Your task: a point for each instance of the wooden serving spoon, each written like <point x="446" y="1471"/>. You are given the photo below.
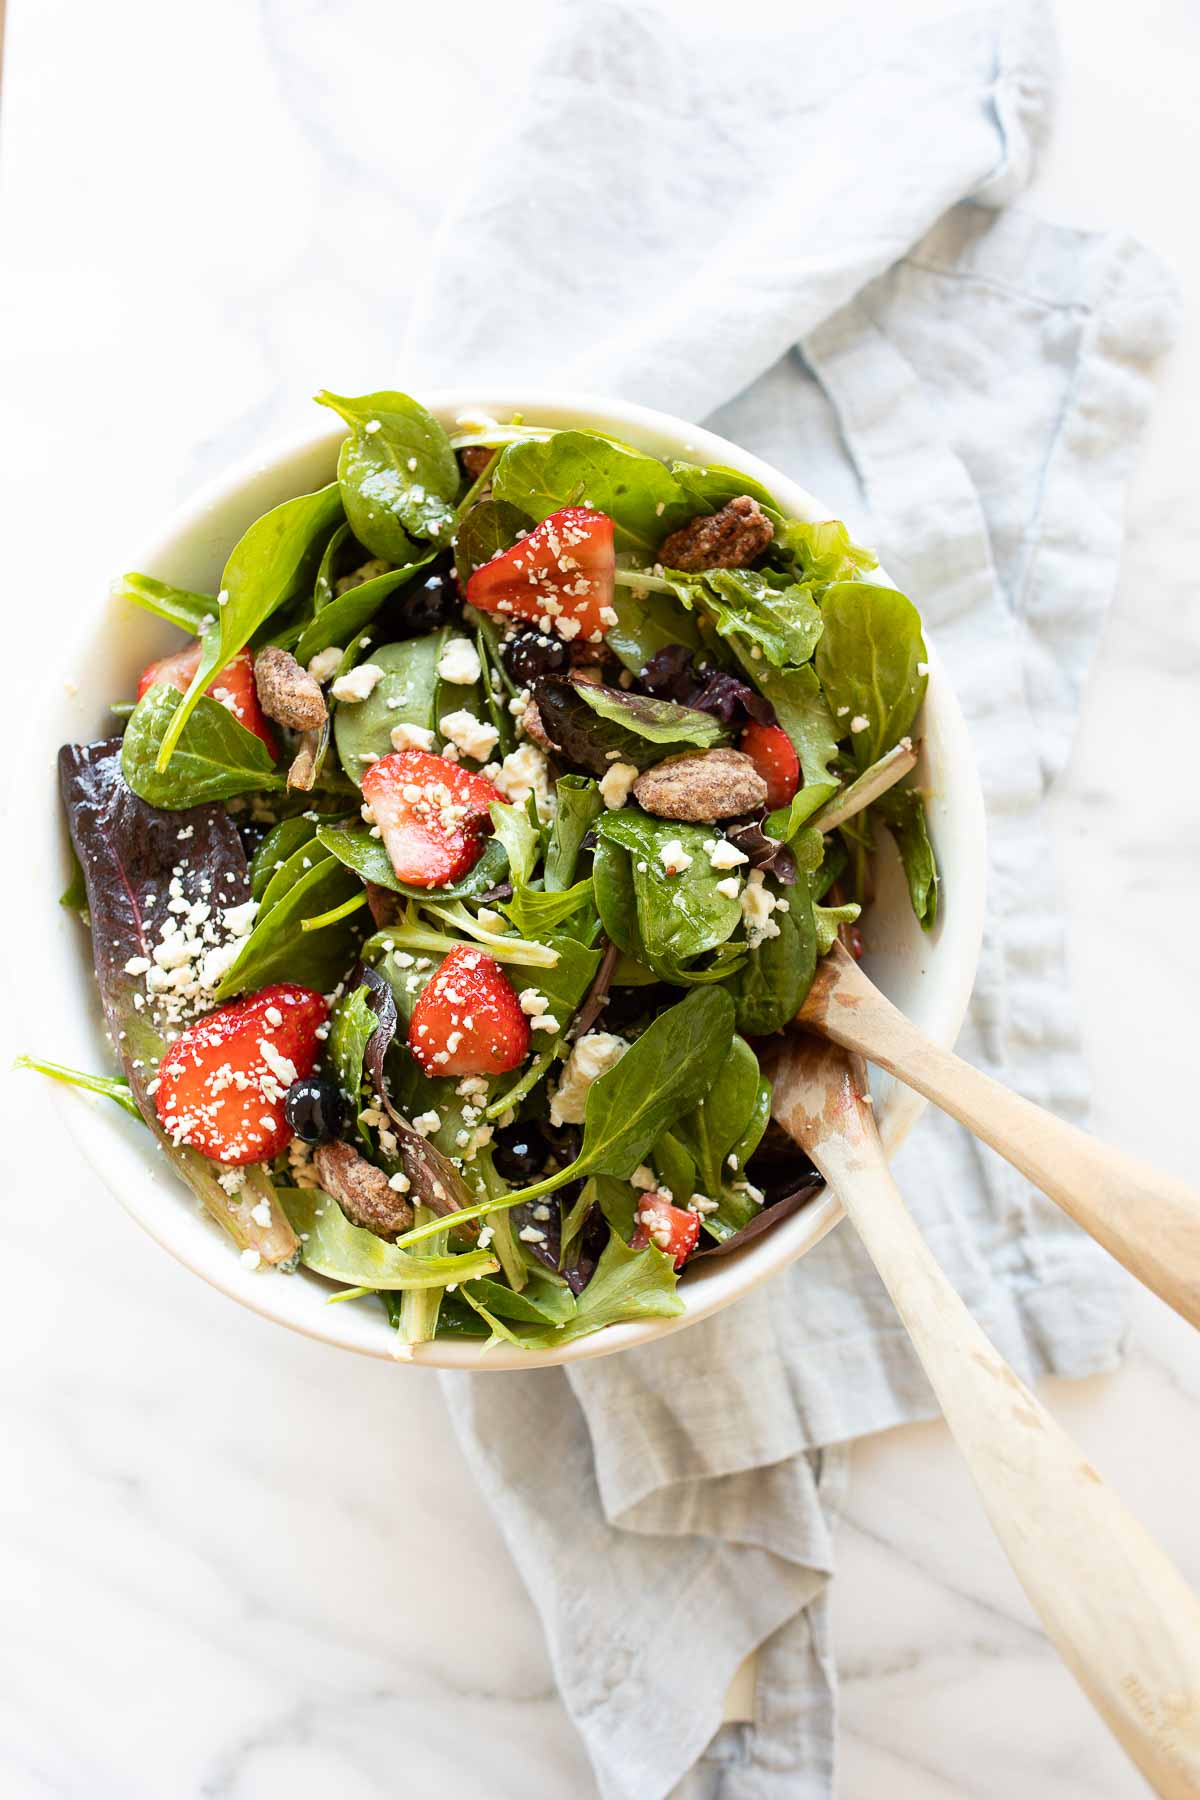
<point x="1147" y="1220"/>
<point x="1120" y="1615"/>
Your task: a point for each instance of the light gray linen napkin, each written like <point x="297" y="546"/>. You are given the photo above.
<point x="802" y="236"/>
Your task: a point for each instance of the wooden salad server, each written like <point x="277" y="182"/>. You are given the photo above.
<point x="1147" y="1220"/>
<point x="1120" y="1615"/>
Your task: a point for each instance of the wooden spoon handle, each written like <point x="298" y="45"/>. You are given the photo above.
<point x="1115" y="1607"/>
<point x="1147" y="1220"/>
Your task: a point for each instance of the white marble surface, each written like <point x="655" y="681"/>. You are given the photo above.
<point x="235" y="1563"/>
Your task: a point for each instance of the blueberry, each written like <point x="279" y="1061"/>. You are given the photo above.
<point x="532" y="654"/>
<point x="519" y="1152"/>
<point x="431" y="601"/>
<point x="314" y="1108"/>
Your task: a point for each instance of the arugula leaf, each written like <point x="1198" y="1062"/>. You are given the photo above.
<point x="272" y="562"/>
<point x="579" y="805"/>
<point x="903" y="813"/>
<point x="593" y="729"/>
<point x="803" y="712"/>
<point x="113" y="1087"/>
<point x="488" y="528"/>
<point x="870" y="660"/>
<point x="398" y="474"/>
<point x="191" y="612"/>
<point x="330" y="1245"/>
<point x="367" y="856"/>
<point x="534" y="913"/>
<point x="722" y="1117"/>
<point x="824" y="550"/>
<point x="405" y="694"/>
<point x="679" y="917"/>
<point x="215" y="758"/>
<point x="577" y="468"/>
<point x="521" y="839"/>
<point x="278" y="950"/>
<point x="778" y="619"/>
<point x="345" y="615"/>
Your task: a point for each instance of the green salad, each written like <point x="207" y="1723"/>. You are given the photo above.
<point x="446" y="879"/>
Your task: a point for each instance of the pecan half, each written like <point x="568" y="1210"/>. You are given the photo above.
<point x="699" y="789"/>
<point x="475" y="459"/>
<point x="363" y="1192"/>
<point x="728" y="539"/>
<point x="286" y="692"/>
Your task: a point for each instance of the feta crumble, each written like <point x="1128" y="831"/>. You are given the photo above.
<point x="616" y="783"/>
<point x="358" y="685"/>
<point x="459" y="663"/>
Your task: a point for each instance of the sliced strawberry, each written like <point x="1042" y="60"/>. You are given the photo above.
<point x="561" y="575"/>
<point x="770" y="750"/>
<point x="234" y="686"/>
<point x="221" y="1084"/>
<point x="674" y="1230"/>
<point x="430" y="814"/>
<point x="469" y="1020"/>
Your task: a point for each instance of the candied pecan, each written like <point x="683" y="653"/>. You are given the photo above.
<point x="475" y="459"/>
<point x="714" y="784"/>
<point x="531" y="725"/>
<point x="363" y="1192"/>
<point x="286" y="692"/>
<point x="728" y="539"/>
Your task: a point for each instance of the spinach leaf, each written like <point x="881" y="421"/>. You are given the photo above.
<point x="215" y="758"/>
<point x="678" y="917"/>
<point x="770" y="986"/>
<point x="593" y="729"/>
<point x="398" y="474"/>
<point x="191" y="612"/>
<point x="276" y="850"/>
<point x="521" y="839"/>
<point x="74" y="895"/>
<point x="405" y="694"/>
<point x="345" y="615"/>
<point x="756" y="1125"/>
<point x="333" y="558"/>
<point x="710" y="488"/>
<point x="367" y="856"/>
<point x="272" y="562"/>
<point x="278" y="950"/>
<point x="802" y="710"/>
<point x="488" y="528"/>
<point x="292" y="869"/>
<point x="579" y="804"/>
<point x="778" y="619"/>
<point x="113" y="1087"/>
<point x="542" y="1301"/>
<point x="350" y="1026"/>
<point x="719" y="1121"/>
<point x="627" y="1285"/>
<point x="534" y="913"/>
<point x="824" y="551"/>
<point x="330" y="1245"/>
<point x="675" y="1167"/>
<point x="568" y="981"/>
<point x="577" y="468"/>
<point x="647" y="622"/>
<point x="786" y="821"/>
<point x="616" y="899"/>
<point x="904" y="815"/>
<point x="870" y="661"/>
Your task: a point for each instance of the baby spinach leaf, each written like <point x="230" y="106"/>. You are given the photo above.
<point x="191" y="612"/>
<point x="367" y="857"/>
<point x="332" y="560"/>
<point x="902" y="812"/>
<point x="802" y="710"/>
<point x="710" y="1132"/>
<point x="756" y="1125"/>
<point x="488" y="528"/>
<point x="405" y="694"/>
<point x="593" y="729"/>
<point x="647" y="622"/>
<point x="521" y="839"/>
<point x="679" y="917"/>
<point x="277" y="848"/>
<point x="351" y="1024"/>
<point x="713" y="487"/>
<point x="761" y="610"/>
<point x="824" y="551"/>
<point x="398" y="474"/>
<point x="331" y="1246"/>
<point x="870" y="661"/>
<point x="627" y="1285"/>
<point x="215" y="756"/>
<point x="579" y="804"/>
<point x="577" y="468"/>
<point x="568" y="981"/>
<point x="534" y="913"/>
<point x="616" y="898"/>
<point x="675" y="1167"/>
<point x="272" y="562"/>
<point x="278" y="950"/>
<point x="786" y="821"/>
<point x="113" y="1087"/>
<point x="345" y="615"/>
<point x="770" y="986"/>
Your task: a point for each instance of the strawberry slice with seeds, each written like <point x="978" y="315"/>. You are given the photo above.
<point x="770" y="750"/>
<point x="675" y="1231"/>
<point x="431" y="815"/>
<point x="561" y="575"/>
<point x="469" y="1019"/>
<point x="221" y="1084"/>
<point x="233" y="687"/>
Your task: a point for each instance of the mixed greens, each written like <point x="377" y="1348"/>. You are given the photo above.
<point x="443" y="885"/>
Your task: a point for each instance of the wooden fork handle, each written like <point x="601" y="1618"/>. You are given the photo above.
<point x="1147" y="1220"/>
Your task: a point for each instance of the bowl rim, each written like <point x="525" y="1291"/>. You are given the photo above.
<point x="114" y="1154"/>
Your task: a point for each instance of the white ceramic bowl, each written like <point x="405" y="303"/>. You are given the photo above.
<point x="928" y="976"/>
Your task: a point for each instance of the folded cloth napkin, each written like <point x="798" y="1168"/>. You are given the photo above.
<point x="801" y="236"/>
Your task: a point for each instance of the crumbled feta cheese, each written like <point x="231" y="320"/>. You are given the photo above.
<point x="399" y="1182"/>
<point x="674" y="857"/>
<point x="470" y="734"/>
<point x="427" y="1122"/>
<point x="700" y="1203"/>
<point x="358" y="685"/>
<point x="261" y="1214"/>
<point x="529" y="1234"/>
<point x="491" y="921"/>
<point x="251" y="1259"/>
<point x="616" y="783"/>
<point x="459" y="662"/>
<point x="525" y="771"/>
<point x="594" y="1055"/>
<point x="758" y="903"/>
<point x="860" y="722"/>
<point x="412" y="737"/>
<point x="724" y="855"/>
<point x="731" y="887"/>
<point x="325" y="662"/>
<point x="644" y="1178"/>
